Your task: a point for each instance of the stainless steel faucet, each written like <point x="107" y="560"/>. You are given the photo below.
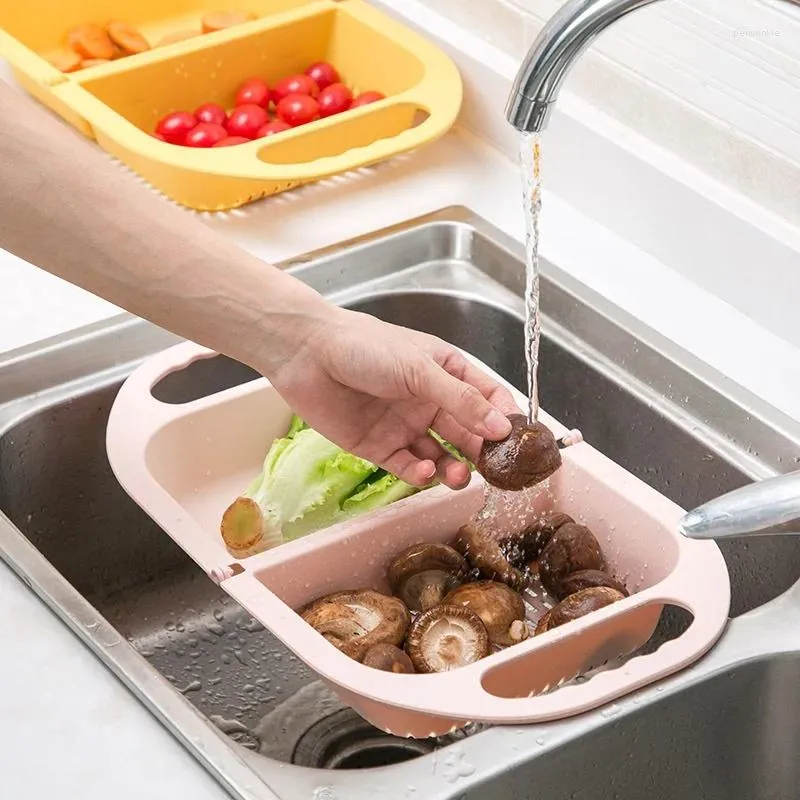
<point x="770" y="506"/>
<point x="568" y="33"/>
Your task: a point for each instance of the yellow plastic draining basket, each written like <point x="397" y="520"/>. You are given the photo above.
<point x="120" y="102"/>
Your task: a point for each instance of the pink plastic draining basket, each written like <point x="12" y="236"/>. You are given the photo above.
<point x="183" y="464"/>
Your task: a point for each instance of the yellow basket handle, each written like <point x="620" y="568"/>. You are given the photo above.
<point x="359" y="156"/>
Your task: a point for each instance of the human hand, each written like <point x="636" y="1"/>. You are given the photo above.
<point x="376" y="390"/>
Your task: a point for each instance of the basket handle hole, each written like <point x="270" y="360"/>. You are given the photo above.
<point x="377" y="123"/>
<point x="633" y="632"/>
<point x="202" y="378"/>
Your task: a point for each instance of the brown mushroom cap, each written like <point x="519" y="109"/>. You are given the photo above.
<point x="572" y="548"/>
<point x="525" y="546"/>
<point x="578" y="605"/>
<point x="388" y="658"/>
<point x="355" y="621"/>
<point x="527" y="456"/>
<point x="485" y="554"/>
<point x="500" y="608"/>
<point x="445" y="638"/>
<point x="424" y="573"/>
<point x="587" y="579"/>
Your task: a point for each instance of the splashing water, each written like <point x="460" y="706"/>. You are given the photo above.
<point x="530" y="156"/>
<point x="487" y="512"/>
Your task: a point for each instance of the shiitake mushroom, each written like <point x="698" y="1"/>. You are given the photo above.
<point x="354" y="621"/>
<point x="460" y="620"/>
<point x="424" y="573"/>
<point x="587" y="579"/>
<point x="527" y="456"/>
<point x="446" y="637"/>
<point x="578" y="605"/>
<point x="500" y="608"/>
<point x="485" y="554"/>
<point x="388" y="658"/>
<point x="526" y="546"/>
<point x="572" y="548"/>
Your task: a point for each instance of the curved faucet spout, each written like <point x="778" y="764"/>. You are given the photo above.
<point x="771" y="506"/>
<point x="568" y="34"/>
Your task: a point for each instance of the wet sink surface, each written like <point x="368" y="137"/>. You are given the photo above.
<point x="460" y="281"/>
<point x="731" y="737"/>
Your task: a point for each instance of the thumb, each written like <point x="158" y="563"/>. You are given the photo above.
<point x="461" y="399"/>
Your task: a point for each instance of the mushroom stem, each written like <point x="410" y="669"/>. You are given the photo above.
<point x="431" y="595"/>
<point x="518" y="631"/>
<point x="388" y="658"/>
<point x="501" y="609"/>
<point x="424" y="573"/>
<point x="485" y="554"/>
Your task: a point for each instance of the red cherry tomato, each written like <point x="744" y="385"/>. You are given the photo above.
<point x="205" y="134"/>
<point x="334" y="99"/>
<point x="298" y="109"/>
<point x="246" y="120"/>
<point x="294" y="84"/>
<point x="253" y="92"/>
<point x="229" y="141"/>
<point x="175" y="126"/>
<point x="211" y="112"/>
<point x="271" y="128"/>
<point x="323" y="74"/>
<point x="365" y="98"/>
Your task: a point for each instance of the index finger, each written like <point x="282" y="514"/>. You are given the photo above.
<point x="497" y="394"/>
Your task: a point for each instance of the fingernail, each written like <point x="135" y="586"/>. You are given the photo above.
<point x="465" y="482"/>
<point x="430" y="471"/>
<point x="497" y="424"/>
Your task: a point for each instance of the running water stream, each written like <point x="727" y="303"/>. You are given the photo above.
<point x="530" y="155"/>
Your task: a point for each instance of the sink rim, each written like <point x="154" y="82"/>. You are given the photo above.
<point x="661" y="368"/>
<point x="135" y="339"/>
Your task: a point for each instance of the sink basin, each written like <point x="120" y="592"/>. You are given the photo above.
<point x="732" y="735"/>
<point x="80" y="542"/>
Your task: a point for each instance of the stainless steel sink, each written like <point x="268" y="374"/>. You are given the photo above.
<point x="253" y="714"/>
<point x="732" y="736"/>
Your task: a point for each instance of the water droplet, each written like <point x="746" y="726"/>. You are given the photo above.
<point x="456" y="766"/>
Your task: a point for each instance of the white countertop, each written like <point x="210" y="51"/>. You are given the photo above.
<point x="71" y="730"/>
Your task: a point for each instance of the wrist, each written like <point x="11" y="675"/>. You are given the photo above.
<point x="292" y="316"/>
